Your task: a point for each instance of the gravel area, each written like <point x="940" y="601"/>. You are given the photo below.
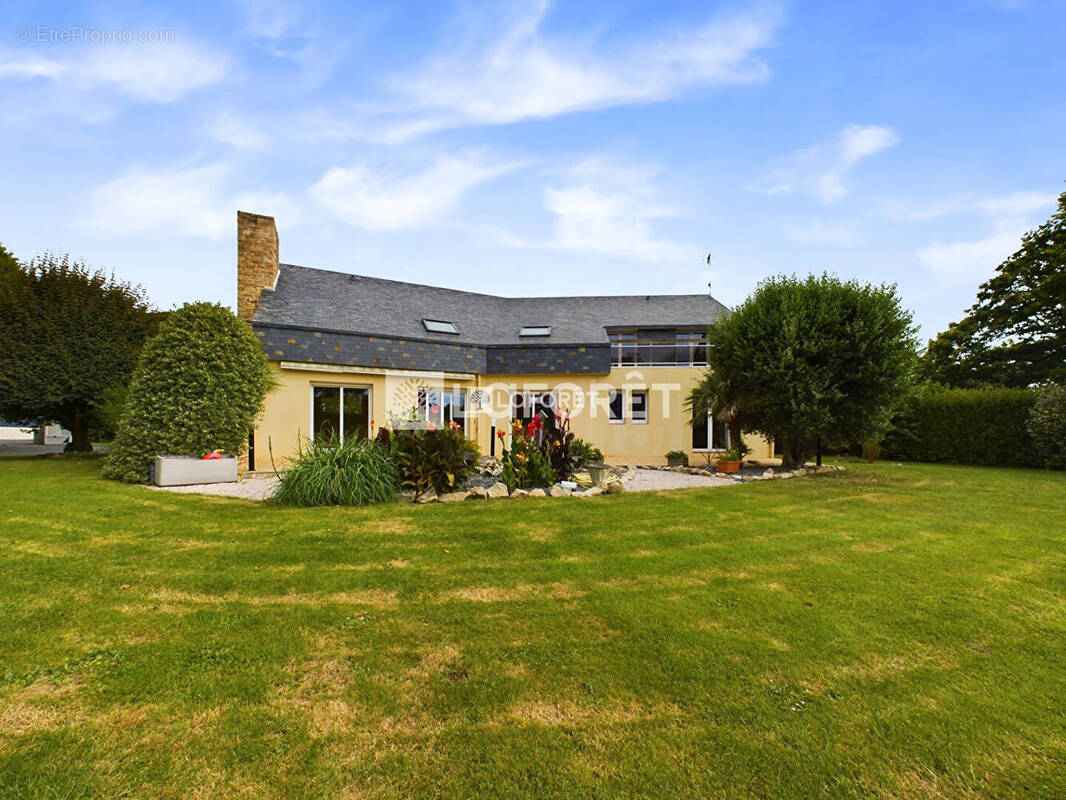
<point x="653" y="480"/>
<point x="248" y="488"/>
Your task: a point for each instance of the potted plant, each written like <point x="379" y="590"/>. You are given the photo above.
<point x="731" y="460"/>
<point x="677" y="458"/>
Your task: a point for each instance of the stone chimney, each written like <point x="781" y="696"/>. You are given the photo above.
<point x="257" y="260"/>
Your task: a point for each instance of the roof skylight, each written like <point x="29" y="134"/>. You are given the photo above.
<point x="536" y="330"/>
<point x="439" y="326"/>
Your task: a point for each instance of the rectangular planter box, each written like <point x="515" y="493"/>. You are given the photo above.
<point x="188" y="470"/>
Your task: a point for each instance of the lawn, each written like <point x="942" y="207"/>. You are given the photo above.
<point x="893" y="631"/>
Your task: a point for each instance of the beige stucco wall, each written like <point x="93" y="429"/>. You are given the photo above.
<point x="627" y="442"/>
<point x="287" y="416"/>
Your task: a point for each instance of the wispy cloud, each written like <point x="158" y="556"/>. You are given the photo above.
<point x="303" y="35"/>
<point x="396" y="197"/>
<point x="819" y="232"/>
<point x="159" y="72"/>
<point x="512" y="70"/>
<point x="970" y="261"/>
<point x="1015" y="204"/>
<point x="609" y="207"/>
<point x="1009" y="215"/>
<point x="193" y="202"/>
<point x="821" y="171"/>
<point x="237" y="131"/>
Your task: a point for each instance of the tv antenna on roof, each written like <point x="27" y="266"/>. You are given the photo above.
<point x="708" y="274"/>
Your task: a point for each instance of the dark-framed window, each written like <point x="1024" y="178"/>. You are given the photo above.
<point x="341" y="412"/>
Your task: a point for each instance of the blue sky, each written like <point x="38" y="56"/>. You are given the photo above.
<point x="536" y="148"/>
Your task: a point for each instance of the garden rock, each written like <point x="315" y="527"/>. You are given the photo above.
<point x="477" y="493"/>
<point x="558" y="491"/>
<point x="519" y="494"/>
<point x="454" y="497"/>
<point x="498" y="490"/>
<point x="769" y="473"/>
<point x="595" y="490"/>
<point x="538" y="493"/>
<point x="428" y="497"/>
<point x="615" y="487"/>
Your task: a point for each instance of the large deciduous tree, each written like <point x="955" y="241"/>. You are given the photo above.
<point x="69" y="335"/>
<point x="814" y="359"/>
<point x="1015" y="335"/>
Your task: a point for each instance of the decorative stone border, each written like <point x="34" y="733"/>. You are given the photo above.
<point x="768" y="474"/>
<point x="499" y="491"/>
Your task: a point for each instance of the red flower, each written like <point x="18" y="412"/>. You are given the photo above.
<point x="501" y="434"/>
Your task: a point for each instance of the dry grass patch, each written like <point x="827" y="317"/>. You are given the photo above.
<point x="525" y="591"/>
<point x="43" y="705"/>
<point x="567" y="714"/>
<point x="376" y="598"/>
<point x="873" y="547"/>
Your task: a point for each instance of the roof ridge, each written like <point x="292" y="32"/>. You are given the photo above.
<point x="504" y="297"/>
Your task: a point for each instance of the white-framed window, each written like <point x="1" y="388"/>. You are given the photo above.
<point x="340" y="412"/>
<point x="638" y="406"/>
<point x="615" y="406"/>
<point x="709" y="434"/>
<point x="441" y="407"/>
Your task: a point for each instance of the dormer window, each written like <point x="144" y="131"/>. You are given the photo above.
<point x="536" y="330"/>
<point x="439" y="326"/>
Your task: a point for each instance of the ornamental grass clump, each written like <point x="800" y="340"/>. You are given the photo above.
<point x="326" y="472"/>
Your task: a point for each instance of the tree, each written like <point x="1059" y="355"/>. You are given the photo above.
<point x="1015" y="335"/>
<point x="811" y="359"/>
<point x="69" y="335"/>
<point x="199" y="386"/>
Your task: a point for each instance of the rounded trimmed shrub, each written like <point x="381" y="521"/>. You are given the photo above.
<point x="1047" y="425"/>
<point x="199" y="386"/>
<point x="328" y="473"/>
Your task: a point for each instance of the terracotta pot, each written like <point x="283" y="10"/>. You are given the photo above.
<point x="728" y="466"/>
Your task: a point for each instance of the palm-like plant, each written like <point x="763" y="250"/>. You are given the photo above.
<point x="714" y="396"/>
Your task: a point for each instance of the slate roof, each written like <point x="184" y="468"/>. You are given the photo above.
<point x="318" y="299"/>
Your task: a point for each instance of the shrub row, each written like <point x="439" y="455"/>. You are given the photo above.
<point x="965" y="426"/>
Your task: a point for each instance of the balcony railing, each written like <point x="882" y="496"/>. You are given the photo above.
<point x="659" y="354"/>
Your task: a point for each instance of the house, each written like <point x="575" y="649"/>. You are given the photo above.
<point x="352" y="354"/>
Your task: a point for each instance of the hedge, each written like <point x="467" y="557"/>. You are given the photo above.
<point x="964" y="426"/>
<point x="1047" y="425"/>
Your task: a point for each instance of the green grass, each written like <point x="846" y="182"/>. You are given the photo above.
<point x="892" y="631"/>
